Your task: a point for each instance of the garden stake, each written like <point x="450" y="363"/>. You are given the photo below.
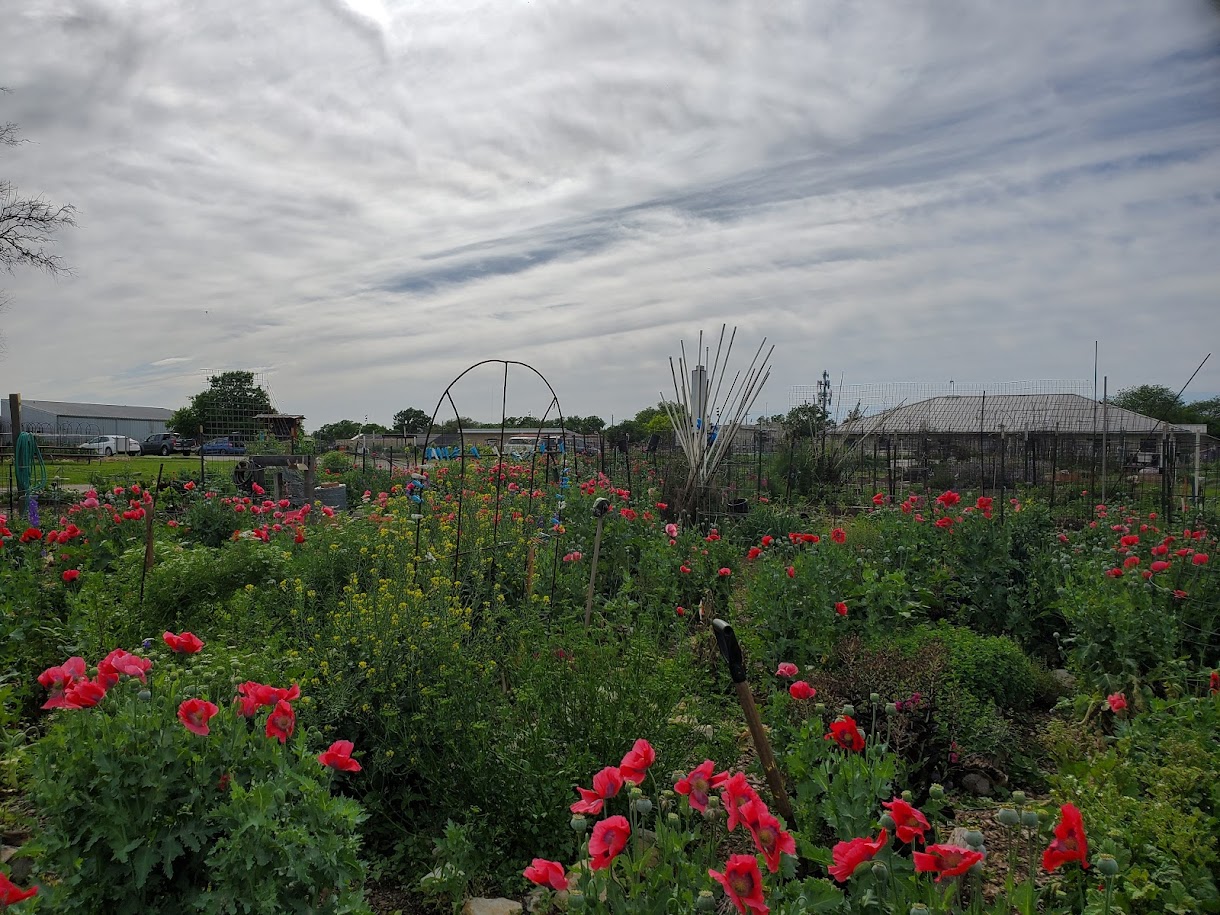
<point x="600" y="507"/>
<point x="726" y="639"/>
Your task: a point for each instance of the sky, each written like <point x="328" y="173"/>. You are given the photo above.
<point x="359" y="199"/>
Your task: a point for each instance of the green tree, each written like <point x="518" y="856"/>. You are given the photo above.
<point x="229" y="405"/>
<point x="1153" y="400"/>
<point x="1207" y="411"/>
<point x="411" y="421"/>
<point x="584" y="425"/>
<point x="340" y="431"/>
<point x="805" y="421"/>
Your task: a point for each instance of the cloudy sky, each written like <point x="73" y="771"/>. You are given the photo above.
<point x="360" y="198"/>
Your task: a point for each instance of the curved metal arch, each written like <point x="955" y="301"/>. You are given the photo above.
<point x="447" y="395"/>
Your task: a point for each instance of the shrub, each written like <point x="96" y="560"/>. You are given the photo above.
<point x="140" y="814"/>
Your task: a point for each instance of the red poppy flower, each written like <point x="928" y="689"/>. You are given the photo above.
<point x="838" y="535"/>
<point x="983" y="503"/>
<point x="186" y="643"/>
<point x="725" y="573"/>
<point x="945" y="860"/>
<point x="57" y="680"/>
<point x="948" y="499"/>
<point x="1214" y="682"/>
<point x="742" y="882"/>
<point x="339" y="756"/>
<point x="684" y="569"/>
<point x="1117" y="701"/>
<point x="754" y="553"/>
<point x="31" y="534"/>
<point x="700" y="783"/>
<point x="84" y="694"/>
<point x="767" y="540"/>
<point x="608" y="839"/>
<point x="606" y="784"/>
<point x="844" y="732"/>
<point x="1131" y="562"/>
<point x="1070" y="843"/>
<point x="253" y="696"/>
<point x="801" y="690"/>
<point x="770" y="838"/>
<point x="547" y="873"/>
<point x="944" y="522"/>
<point x="909" y="823"/>
<point x="195" y="714"/>
<point x="637" y="761"/>
<point x="11" y="894"/>
<point x="120" y="662"/>
<point x="1114" y="573"/>
<point x="1199" y="559"/>
<point x="841" y="608"/>
<point x="848" y="856"/>
<point x="879" y="498"/>
<point x="1159" y="566"/>
<point x="70" y="575"/>
<point x="791" y="570"/>
<point x="735" y="792"/>
<point x="787" y="669"/>
<point x="281" y="721"/>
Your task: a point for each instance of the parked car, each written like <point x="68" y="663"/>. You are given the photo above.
<point x="167" y="443"/>
<point x="107" y="445"/>
<point x="223" y="445"/>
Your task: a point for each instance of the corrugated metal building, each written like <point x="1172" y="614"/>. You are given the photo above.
<point x="59" y="418"/>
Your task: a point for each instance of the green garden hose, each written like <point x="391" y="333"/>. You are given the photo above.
<point x="27" y="463"/>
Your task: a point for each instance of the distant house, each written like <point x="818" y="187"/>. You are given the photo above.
<point x="85" y="420"/>
<point x="283" y="426"/>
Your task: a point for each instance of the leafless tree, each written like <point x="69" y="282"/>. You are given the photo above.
<point x="28" y="224"/>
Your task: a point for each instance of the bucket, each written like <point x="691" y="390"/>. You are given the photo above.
<point x="332" y="495"/>
<point x="738" y="506"/>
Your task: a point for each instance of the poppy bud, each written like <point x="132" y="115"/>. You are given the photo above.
<point x="874" y="698"/>
<point x="1107" y="865"/>
<point x="974" y="838"/>
<point x="936" y="792"/>
<point x="636" y="793"/>
<point x="908" y="797"/>
<point x="576" y="901"/>
<point x="1029" y="819"/>
<point x="1008" y="817"/>
<point x="880" y="870"/>
<point x="706" y="901"/>
<point x="643" y="806"/>
<point x="144" y="695"/>
<point x="919" y="909"/>
<point x="579" y="824"/>
<point x="1018" y="797"/>
<point x="887" y="821"/>
<point x="673" y="819"/>
<point x="820" y="709"/>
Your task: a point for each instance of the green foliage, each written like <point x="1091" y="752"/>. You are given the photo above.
<point x="339" y="431"/>
<point x="1150" y="797"/>
<point x="139" y="814"/>
<point x="410" y="421"/>
<point x="337" y="462"/>
<point x="229" y="405"/>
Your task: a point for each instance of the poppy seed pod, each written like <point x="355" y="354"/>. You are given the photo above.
<point x="144" y="695"/>
<point x="974" y="838"/>
<point x="1029" y="819"/>
<point x="579" y="824"/>
<point x="820" y="709"/>
<point x="1107" y="865"/>
<point x="673" y="819"/>
<point x="887" y="821"/>
<point x="908" y="797"/>
<point x="848" y="711"/>
<point x="936" y="792"/>
<point x="874" y="698"/>
<point x="1018" y="797"/>
<point x="706" y="901"/>
<point x="880" y="870"/>
<point x="643" y="806"/>
<point x="919" y="909"/>
<point x="576" y="901"/>
<point x="1008" y="817"/>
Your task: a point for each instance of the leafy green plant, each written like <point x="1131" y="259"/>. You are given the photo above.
<point x="149" y="801"/>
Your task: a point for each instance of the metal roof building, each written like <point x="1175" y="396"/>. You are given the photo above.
<point x="60" y="418"/>
<point x="1016" y="414"/>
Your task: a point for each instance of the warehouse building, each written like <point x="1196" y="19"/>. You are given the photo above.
<point x="79" y="421"/>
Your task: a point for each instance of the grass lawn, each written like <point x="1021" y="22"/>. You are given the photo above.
<point x="118" y="470"/>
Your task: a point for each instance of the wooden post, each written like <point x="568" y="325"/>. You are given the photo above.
<point x="726" y="640"/>
<point x="597" y="546"/>
<point x="14" y="416"/>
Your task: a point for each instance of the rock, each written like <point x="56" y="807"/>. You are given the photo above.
<point x="1065" y="680"/>
<point x="491" y="907"/>
<point x="976" y="784"/>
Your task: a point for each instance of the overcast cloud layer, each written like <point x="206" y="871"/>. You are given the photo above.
<point x="360" y="198"/>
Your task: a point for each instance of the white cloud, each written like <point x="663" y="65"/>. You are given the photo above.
<point x="367" y="196"/>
